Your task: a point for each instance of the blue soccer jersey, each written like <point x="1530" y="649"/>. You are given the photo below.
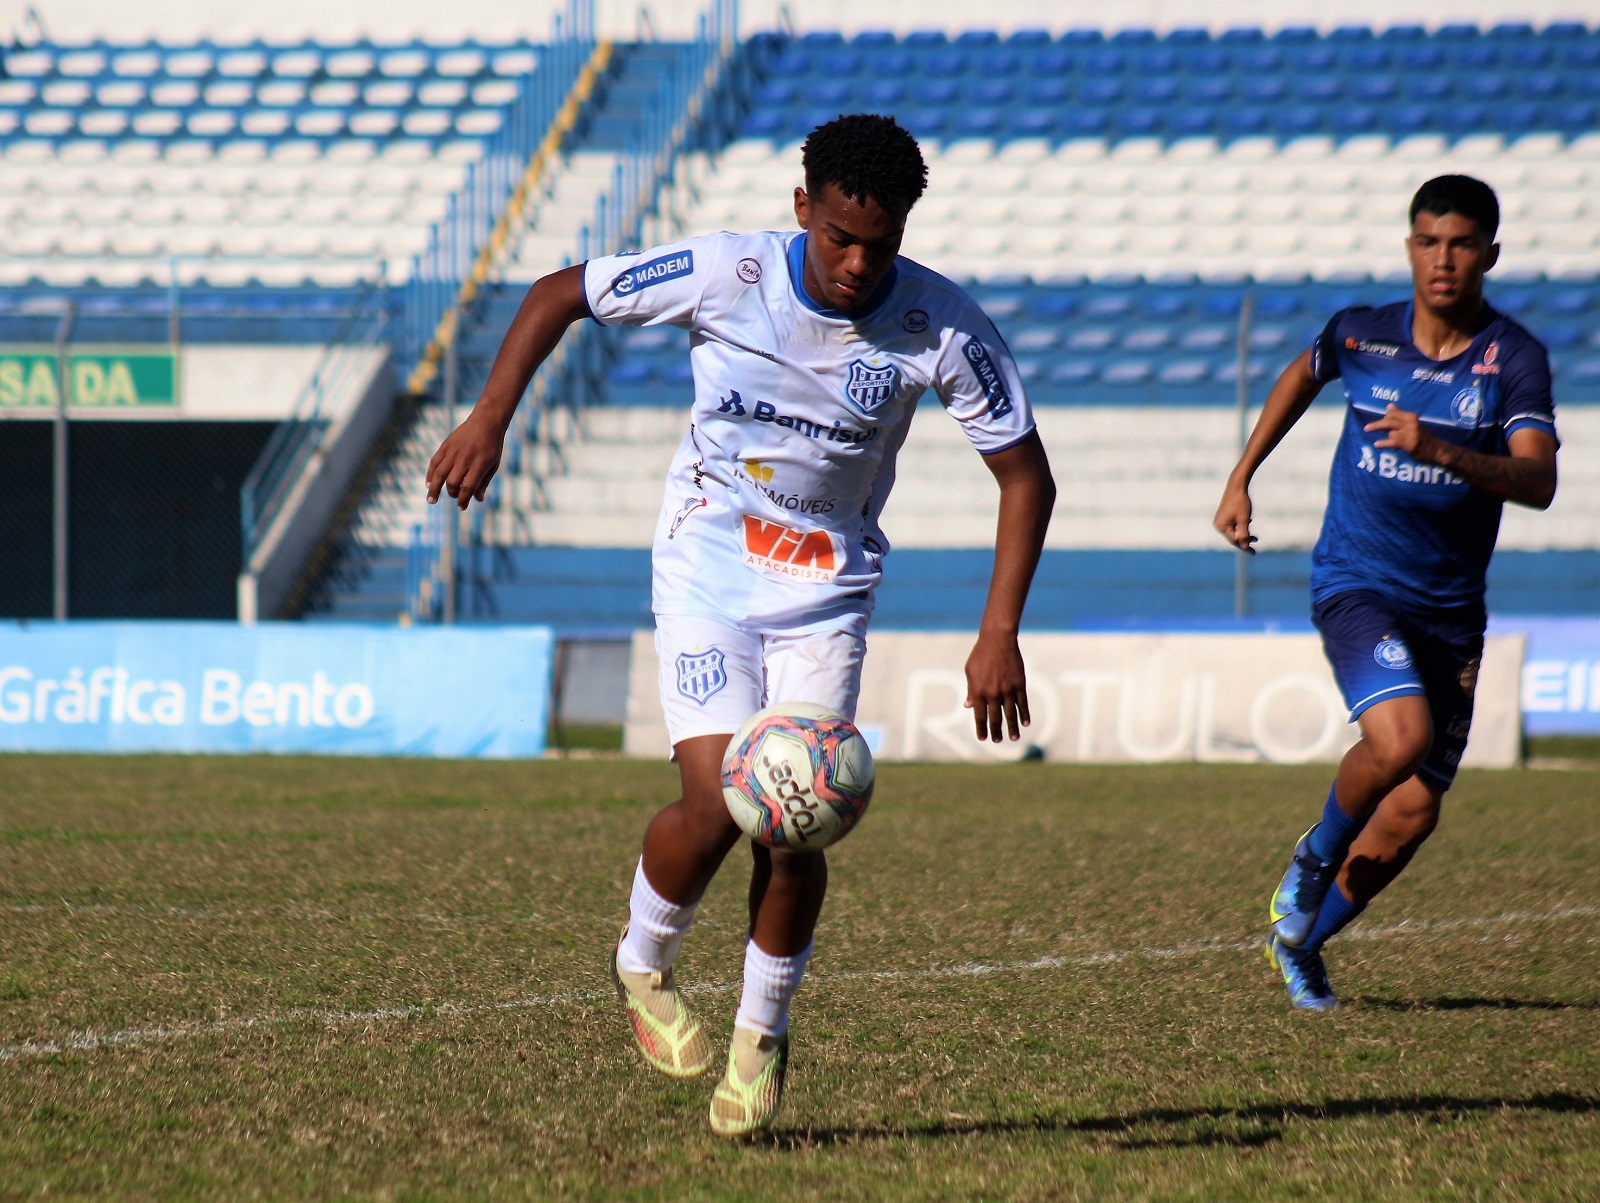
<point x="1412" y="531"/>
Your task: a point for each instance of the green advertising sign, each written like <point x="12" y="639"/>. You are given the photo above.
<point x="98" y="377"/>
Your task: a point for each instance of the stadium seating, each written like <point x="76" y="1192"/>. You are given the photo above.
<point x="272" y="163"/>
<point x="1510" y="79"/>
<point x="1110" y="199"/>
<point x="1127" y="341"/>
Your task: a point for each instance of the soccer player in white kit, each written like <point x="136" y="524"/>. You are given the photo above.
<point x="809" y="353"/>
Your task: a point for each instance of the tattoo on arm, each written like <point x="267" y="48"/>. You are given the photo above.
<point x="1522" y="479"/>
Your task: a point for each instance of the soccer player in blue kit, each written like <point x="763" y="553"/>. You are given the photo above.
<point x="1449" y="416"/>
<point x="809" y="351"/>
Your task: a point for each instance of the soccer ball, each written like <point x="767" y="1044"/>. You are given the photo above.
<point x="797" y="776"/>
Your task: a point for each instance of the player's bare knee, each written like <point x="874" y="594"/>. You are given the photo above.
<point x="1396" y="753"/>
<point x="799" y="866"/>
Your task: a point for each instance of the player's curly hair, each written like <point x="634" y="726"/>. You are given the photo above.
<point x="866" y="155"/>
<point x="1462" y="194"/>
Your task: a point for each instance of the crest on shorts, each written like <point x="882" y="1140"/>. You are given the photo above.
<point x="870" y="387"/>
<point x="1392" y="653"/>
<point x="700" y="674"/>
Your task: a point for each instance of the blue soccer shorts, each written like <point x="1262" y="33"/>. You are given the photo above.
<point x="1380" y="650"/>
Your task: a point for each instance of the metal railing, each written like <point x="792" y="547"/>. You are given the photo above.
<point x="295" y="440"/>
<point x="694" y="96"/>
<point x="482" y="214"/>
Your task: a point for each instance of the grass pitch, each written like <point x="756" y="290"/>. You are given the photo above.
<point x="281" y="977"/>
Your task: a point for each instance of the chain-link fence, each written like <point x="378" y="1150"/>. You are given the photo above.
<point x="152" y="513"/>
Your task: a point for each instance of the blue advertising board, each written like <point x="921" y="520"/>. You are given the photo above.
<point x="278" y="687"/>
<point x="1560" y="673"/>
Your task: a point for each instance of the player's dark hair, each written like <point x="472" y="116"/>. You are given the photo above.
<point x="1461" y="194"/>
<point x="865" y="155"/>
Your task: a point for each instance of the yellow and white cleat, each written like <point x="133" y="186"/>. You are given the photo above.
<point x="666" y="1033"/>
<point x="748" y="1097"/>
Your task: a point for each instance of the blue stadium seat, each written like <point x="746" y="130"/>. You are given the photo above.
<point x="1184" y="372"/>
<point x="1128" y="372"/>
<point x="1031" y="123"/>
<point x="1070" y="372"/>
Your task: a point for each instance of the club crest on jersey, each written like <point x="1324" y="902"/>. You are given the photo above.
<point x="657" y="271"/>
<point x="1467" y="408"/>
<point x="700" y="674"/>
<point x="868" y="388"/>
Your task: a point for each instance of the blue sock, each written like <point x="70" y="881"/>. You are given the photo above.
<point x="1337" y="910"/>
<point x="1331" y="838"/>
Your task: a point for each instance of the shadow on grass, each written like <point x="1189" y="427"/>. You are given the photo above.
<point x="1447" y="1003"/>
<point x="1237" y="1127"/>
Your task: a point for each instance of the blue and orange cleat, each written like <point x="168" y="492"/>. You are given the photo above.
<point x="1295" y="903"/>
<point x="1304" y="976"/>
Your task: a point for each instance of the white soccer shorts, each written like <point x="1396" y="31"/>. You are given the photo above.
<point x="713" y="676"/>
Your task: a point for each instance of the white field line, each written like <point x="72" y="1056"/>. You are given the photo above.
<point x="93" y="1041"/>
<point x="67" y="907"/>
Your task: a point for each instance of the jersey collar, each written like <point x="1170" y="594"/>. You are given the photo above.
<point x="797" y="264"/>
<point x="1410" y="312"/>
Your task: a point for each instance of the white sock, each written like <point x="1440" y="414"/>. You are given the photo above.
<point x="656" y="928"/>
<point x="769" y="986"/>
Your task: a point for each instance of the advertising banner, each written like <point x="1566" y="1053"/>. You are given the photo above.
<point x="1122" y="699"/>
<point x="277" y="687"/>
<point x="1561" y="675"/>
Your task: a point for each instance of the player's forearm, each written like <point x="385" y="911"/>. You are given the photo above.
<point x="1027" y="497"/>
<point x="1289" y="399"/>
<point x="551" y="305"/>
<point x="1522" y="479"/>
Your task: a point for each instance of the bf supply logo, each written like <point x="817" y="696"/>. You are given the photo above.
<point x="1467" y="408"/>
<point x="1392" y="653"/>
<point x="657" y="271"/>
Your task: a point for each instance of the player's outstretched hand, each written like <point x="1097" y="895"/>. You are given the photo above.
<point x="1404" y="433"/>
<point x="466" y="461"/>
<point x="997" y="688"/>
<point x="1233" y="518"/>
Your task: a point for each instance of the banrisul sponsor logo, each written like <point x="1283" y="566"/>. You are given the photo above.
<point x="989" y="378"/>
<point x="657" y="271"/>
<point x="735" y="406"/>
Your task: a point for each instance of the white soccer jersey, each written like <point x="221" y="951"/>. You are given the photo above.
<point x="770" y="519"/>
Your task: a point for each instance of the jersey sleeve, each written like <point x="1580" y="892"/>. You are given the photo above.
<point x="977" y="382"/>
<point x="659" y="287"/>
<point x="1525" y="398"/>
<point x="1325" y="350"/>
